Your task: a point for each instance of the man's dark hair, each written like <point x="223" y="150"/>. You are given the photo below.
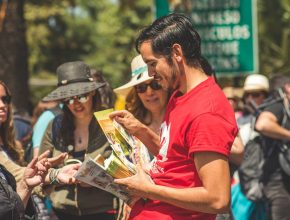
<point x="175" y="29"/>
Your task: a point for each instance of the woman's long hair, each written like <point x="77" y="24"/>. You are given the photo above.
<point x="7" y="133"/>
<point x="136" y="107"/>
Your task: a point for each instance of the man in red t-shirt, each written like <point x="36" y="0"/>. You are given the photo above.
<point x="190" y="175"/>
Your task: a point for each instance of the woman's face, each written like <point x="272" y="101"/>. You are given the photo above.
<point x="155" y="100"/>
<point x="3" y="105"/>
<point x="81" y="106"/>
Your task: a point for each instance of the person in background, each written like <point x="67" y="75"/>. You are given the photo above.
<point x="274" y="124"/>
<point x="22" y="127"/>
<point x="46" y="111"/>
<point x="10" y="158"/>
<point x="146" y="100"/>
<point x="106" y="92"/>
<point x="256" y="88"/>
<point x="77" y="133"/>
<point x="197" y="132"/>
<point x="234" y="96"/>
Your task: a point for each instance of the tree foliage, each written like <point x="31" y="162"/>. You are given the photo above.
<point x="274" y="36"/>
<point x="102" y="33"/>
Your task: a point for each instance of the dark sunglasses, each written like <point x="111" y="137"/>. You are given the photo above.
<point x="6" y="99"/>
<point x="254" y="94"/>
<point x="81" y="98"/>
<point x="141" y="88"/>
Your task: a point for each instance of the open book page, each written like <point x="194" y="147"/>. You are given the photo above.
<point x="120" y="146"/>
<point x="95" y="174"/>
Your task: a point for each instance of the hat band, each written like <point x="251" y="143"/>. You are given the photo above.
<point x="139" y="70"/>
<point x="65" y="82"/>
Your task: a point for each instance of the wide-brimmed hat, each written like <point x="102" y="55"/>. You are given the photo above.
<point x="74" y="78"/>
<point x="139" y="74"/>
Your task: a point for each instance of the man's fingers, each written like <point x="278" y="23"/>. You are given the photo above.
<point x="122" y="181"/>
<point x="120" y="113"/>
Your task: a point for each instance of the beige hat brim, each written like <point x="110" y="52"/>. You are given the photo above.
<point x="125" y="89"/>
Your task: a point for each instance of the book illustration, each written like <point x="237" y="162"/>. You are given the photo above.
<point x="119" y="145"/>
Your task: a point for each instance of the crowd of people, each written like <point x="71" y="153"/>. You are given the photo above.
<point x="196" y="134"/>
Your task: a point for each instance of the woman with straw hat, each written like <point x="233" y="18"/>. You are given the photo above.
<point x="146" y="100"/>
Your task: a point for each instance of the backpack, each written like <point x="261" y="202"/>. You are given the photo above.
<point x="251" y="170"/>
<point x="284" y="147"/>
<point x="28" y="154"/>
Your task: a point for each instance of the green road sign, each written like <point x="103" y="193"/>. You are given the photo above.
<point x="228" y="30"/>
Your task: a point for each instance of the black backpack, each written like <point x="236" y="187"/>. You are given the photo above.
<point x="251" y="171"/>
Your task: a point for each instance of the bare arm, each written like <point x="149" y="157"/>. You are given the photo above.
<point x="268" y="125"/>
<point x="237" y="151"/>
<point x="212" y="197"/>
<point x="148" y="137"/>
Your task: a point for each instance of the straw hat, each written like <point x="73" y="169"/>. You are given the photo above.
<point x="256" y="82"/>
<point x="74" y="78"/>
<point x="139" y="74"/>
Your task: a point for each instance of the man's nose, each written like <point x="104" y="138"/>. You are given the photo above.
<point x="151" y="72"/>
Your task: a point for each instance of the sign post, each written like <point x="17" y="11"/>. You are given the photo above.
<point x="228" y="29"/>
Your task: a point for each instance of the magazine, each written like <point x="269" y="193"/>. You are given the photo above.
<point x="94" y="173"/>
<point x="127" y="151"/>
<point x="118" y="143"/>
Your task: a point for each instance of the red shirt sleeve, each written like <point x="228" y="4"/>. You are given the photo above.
<point x="210" y="132"/>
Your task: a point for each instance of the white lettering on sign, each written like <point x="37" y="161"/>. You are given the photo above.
<point x="235" y="32"/>
<point x="220" y="48"/>
<point x="230" y="63"/>
<point x="215" y="4"/>
<point x="216" y="17"/>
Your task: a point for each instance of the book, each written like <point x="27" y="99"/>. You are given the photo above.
<point x="127" y="152"/>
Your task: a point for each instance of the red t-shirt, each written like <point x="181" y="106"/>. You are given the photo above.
<point x="200" y="120"/>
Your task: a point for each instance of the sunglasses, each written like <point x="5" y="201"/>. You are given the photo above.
<point x="141" y="88"/>
<point x="254" y="94"/>
<point x="81" y="98"/>
<point x="6" y="99"/>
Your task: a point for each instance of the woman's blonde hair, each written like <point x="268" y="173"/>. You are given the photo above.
<point x="7" y="133"/>
<point x="136" y="107"/>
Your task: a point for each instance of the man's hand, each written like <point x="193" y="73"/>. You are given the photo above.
<point x="66" y="174"/>
<point x="127" y="119"/>
<point x="137" y="185"/>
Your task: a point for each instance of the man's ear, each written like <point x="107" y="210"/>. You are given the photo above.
<point x="177" y="52"/>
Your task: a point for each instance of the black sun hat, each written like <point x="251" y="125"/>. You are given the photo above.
<point x="74" y="78"/>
